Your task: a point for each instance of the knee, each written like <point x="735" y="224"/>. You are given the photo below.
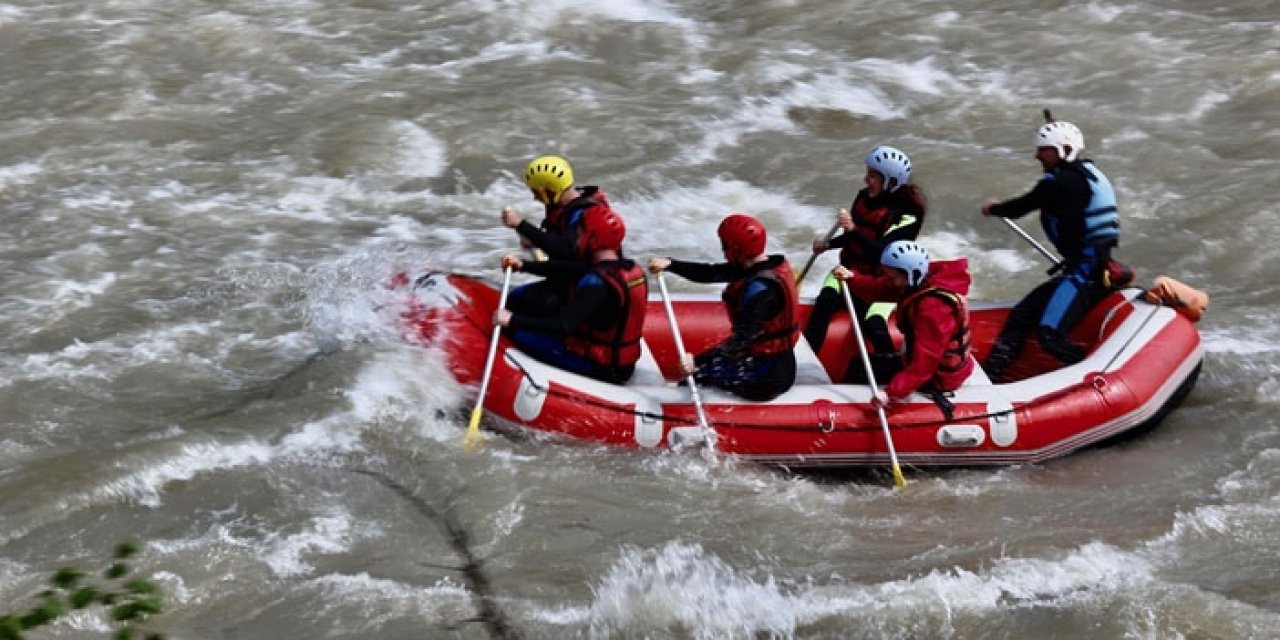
<point x="1056" y="344"/>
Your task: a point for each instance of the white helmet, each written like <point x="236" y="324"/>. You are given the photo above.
<point x="1058" y="135"/>
<point x="891" y="164"/>
<point x="909" y="257"/>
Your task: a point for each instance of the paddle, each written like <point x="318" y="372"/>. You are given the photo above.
<point x="898" y="480"/>
<point x="473" y="437"/>
<point x="1057" y="264"/>
<point x="814" y="256"/>
<point x="707" y="434"/>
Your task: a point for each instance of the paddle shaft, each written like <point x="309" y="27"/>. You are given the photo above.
<point x="813" y="257"/>
<point x="693" y="386"/>
<point x="898" y="480"/>
<point x="473" y="429"/>
<point x="1039" y="247"/>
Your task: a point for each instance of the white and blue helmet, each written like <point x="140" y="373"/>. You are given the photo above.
<point x="892" y="164"/>
<point x="909" y="257"/>
<point x="1061" y="136"/>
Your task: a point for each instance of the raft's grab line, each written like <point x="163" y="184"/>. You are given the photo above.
<point x="684" y="420"/>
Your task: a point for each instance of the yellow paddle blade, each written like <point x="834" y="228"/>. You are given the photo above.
<point x="898" y="480"/>
<point x="474" y="437"/>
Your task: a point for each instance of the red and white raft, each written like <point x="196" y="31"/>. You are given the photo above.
<point x="1143" y="360"/>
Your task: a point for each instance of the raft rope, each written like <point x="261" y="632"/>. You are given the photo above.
<point x="1155" y="308"/>
<point x="684" y="420"/>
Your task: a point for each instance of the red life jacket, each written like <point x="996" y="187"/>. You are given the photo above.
<point x="780" y="333"/>
<point x="870" y="223"/>
<point x="566" y="221"/>
<point x="619" y="344"/>
<point x="958" y="347"/>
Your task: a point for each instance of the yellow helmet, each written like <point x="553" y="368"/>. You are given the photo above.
<point x="549" y="177"/>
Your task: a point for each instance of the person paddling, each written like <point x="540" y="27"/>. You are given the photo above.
<point x="597" y="331"/>
<point x="756" y="361"/>
<point x="1078" y="214"/>
<point x="551" y="181"/>
<point x="888" y="209"/>
<point x="933" y="316"/>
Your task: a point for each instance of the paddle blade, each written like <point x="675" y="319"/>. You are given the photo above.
<point x="898" y="480"/>
<point x="474" y="437"/>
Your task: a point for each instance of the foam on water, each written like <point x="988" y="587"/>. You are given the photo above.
<point x="923" y="76"/>
<point x="408" y="389"/>
<point x="145" y="485"/>
<point x="327" y="533"/>
<point x="378" y="600"/>
<point x="516" y="52"/>
<point x="682" y="588"/>
<point x="690" y="215"/>
<point x="555" y="14"/>
<point x="16" y="175"/>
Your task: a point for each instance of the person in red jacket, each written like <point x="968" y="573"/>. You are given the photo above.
<point x="890" y="208"/>
<point x="933" y="316"/>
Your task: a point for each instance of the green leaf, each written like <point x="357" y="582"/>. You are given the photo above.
<point x="116" y="570"/>
<point x="149" y="606"/>
<point x="127" y="549"/>
<point x="83" y="597"/>
<point x="142" y="587"/>
<point x="10" y="628"/>
<point x="48" y="610"/>
<point x="67" y="577"/>
<point x="125" y="612"/>
<point x="35" y="619"/>
<point x="125" y="633"/>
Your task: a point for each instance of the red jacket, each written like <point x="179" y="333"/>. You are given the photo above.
<point x="934" y="327"/>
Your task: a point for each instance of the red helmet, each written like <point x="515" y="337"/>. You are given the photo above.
<point x="742" y="237"/>
<point x="602" y="229"/>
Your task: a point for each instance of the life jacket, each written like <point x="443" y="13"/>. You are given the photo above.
<point x="1101" y="224"/>
<point x="958" y="346"/>
<point x="872" y="222"/>
<point x="781" y="332"/>
<point x="617" y="345"/>
<point x="1101" y="218"/>
<point x="566" y="221"/>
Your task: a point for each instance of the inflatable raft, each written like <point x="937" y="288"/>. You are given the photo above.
<point x="1143" y="360"/>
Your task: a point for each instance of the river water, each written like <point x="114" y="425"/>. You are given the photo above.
<point x="200" y="201"/>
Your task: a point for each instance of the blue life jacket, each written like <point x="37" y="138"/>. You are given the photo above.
<point x="1101" y="219"/>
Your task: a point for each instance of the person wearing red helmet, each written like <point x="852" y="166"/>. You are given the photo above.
<point x="551" y="182"/>
<point x="890" y="208"/>
<point x="756" y="361"/>
<point x="597" y="332"/>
